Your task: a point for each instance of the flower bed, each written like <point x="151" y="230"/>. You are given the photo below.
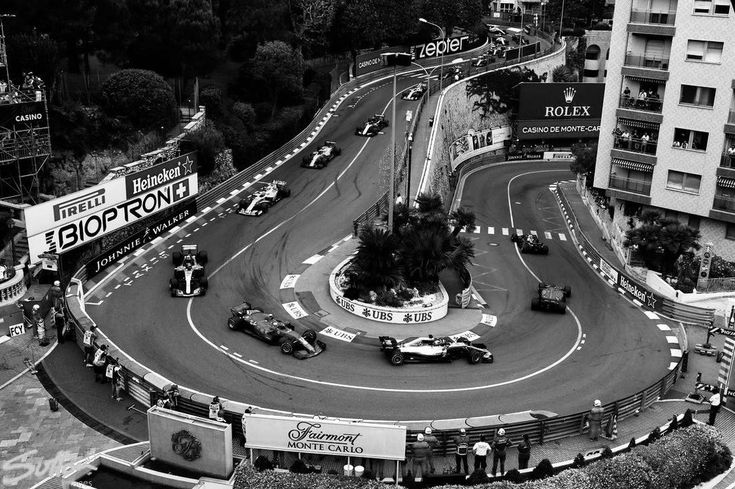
<point x="415" y="311"/>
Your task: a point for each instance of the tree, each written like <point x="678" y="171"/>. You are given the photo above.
<point x="585" y="156"/>
<point x="141" y="97"/>
<point x="374" y="266"/>
<point x="661" y="241"/>
<point x="277" y="70"/>
<point x="311" y="21"/>
<point x="195" y="32"/>
<point x="462" y="218"/>
<point x="562" y="73"/>
<point x="208" y="142"/>
<point x="581" y="11"/>
<point x="496" y="92"/>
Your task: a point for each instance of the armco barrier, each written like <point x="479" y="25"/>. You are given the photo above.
<point x="144" y="386"/>
<point x="684" y="313"/>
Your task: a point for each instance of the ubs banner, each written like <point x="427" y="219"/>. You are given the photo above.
<point x="76" y="219"/>
<point x="560" y="110"/>
<point x="325" y="436"/>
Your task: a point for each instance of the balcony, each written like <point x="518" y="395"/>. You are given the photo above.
<point x="724" y="203"/>
<point x="636" y="145"/>
<point x="727" y="161"/>
<point x="650" y="17"/>
<point x="632" y="185"/>
<point x="648" y="105"/>
<point x="649" y="62"/>
<point x="730" y="125"/>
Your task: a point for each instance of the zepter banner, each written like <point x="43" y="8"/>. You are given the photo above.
<point x="104" y="221"/>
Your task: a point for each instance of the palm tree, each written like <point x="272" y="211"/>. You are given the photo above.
<point x="661" y="241"/>
<point x="461" y="219"/>
<point x="375" y="265"/>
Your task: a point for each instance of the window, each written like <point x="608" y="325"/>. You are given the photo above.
<point x="683" y="181"/>
<point x="707" y="51"/>
<point x="692" y="95"/>
<point x="712" y="7"/>
<point x="689" y="139"/>
<point x="730" y="231"/>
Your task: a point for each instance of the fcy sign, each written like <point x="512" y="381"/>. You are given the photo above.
<point x="441" y="47"/>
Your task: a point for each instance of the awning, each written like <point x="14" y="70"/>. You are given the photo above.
<point x="644" y="79"/>
<point x="632" y="165"/>
<point x="640" y="124"/>
<point x="725" y="182"/>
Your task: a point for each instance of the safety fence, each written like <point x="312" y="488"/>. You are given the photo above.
<point x="633" y="288"/>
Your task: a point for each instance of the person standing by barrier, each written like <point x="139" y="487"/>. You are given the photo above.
<point x="60" y="323"/>
<point x="500" y="444"/>
<point x="216" y="410"/>
<point x="55" y="294"/>
<point x="715" y="402"/>
<point x="463" y="444"/>
<point x="433" y="443"/>
<point x="421" y="450"/>
<point x="248" y="411"/>
<point x="88" y="341"/>
<point x="524" y="452"/>
<point x="100" y="364"/>
<point x="480" y="450"/>
<point x="595" y="419"/>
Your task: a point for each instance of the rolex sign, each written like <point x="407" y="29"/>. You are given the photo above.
<point x="559" y="110"/>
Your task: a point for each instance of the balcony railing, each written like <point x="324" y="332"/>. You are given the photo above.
<point x="636" y="145"/>
<point x="650" y="17"/>
<point x="649" y="104"/>
<point x="630" y="185"/>
<point x="727" y="161"/>
<point x="643" y="61"/>
<point x="724" y="203"/>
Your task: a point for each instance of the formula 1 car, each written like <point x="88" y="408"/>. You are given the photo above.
<point x="430" y="349"/>
<point x="259" y="201"/>
<point x="373" y="126"/>
<point x="264" y="326"/>
<point x="189" y="276"/>
<point x="415" y="92"/>
<point x="552" y="298"/>
<point x="529" y="243"/>
<point x="322" y="156"/>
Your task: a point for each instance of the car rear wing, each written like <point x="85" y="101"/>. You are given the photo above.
<point x="387" y="343"/>
<point x="189" y="248"/>
<point x="279" y="182"/>
<point x="330" y="142"/>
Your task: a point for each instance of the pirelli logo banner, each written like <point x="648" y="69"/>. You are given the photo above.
<point x="104" y="221"/>
<point x="55" y="213"/>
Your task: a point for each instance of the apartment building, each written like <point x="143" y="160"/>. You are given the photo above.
<point x="667" y="136"/>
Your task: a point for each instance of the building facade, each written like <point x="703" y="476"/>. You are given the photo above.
<point x="667" y="136"/>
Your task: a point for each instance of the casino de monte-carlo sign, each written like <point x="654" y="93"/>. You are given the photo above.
<point x="325" y="436"/>
<point x="559" y="110"/>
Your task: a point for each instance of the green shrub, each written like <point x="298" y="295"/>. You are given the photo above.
<point x="579" y="461"/>
<point x="607" y="452"/>
<point x="543" y="469"/>
<point x="141" y="97"/>
<point x="513" y="475"/>
<point x="207" y="141"/>
<point x="388" y="298"/>
<point x="624" y="471"/>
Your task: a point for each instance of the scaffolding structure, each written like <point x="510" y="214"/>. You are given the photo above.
<point x="25" y="139"/>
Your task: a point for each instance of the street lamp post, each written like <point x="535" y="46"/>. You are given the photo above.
<point x="561" y="20"/>
<point x="444" y="48"/>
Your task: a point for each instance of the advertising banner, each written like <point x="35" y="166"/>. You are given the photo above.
<point x="525" y="155"/>
<point x="104" y="221"/>
<point x="644" y="296"/>
<point x="326" y="437"/>
<point x="137" y="240"/>
<point x="447" y="46"/>
<point x="608" y="270"/>
<point x="559" y="110"/>
<point x="372" y="61"/>
<point x="22" y="116"/>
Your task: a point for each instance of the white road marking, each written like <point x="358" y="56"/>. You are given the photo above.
<point x="224" y="347"/>
<point x="312" y="260"/>
<point x="237" y="354"/>
<point x="477" y="230"/>
<point x="490" y="230"/>
<point x="338" y="334"/>
<point x="234" y="192"/>
<point x="651" y="315"/>
<point x="506" y="232"/>
<point x="289" y="281"/>
<point x="295" y="310"/>
<point x="547" y="235"/>
<point x="663" y="327"/>
<point x="672" y="339"/>
<point x="673" y="365"/>
<point x="562" y="237"/>
<point x="676" y="353"/>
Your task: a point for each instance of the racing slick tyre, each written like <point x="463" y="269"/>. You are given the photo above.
<point x="287" y="348"/>
<point x="514" y="238"/>
<point x="287" y="192"/>
<point x="173" y="284"/>
<point x="202" y="257"/>
<point x="535" y="304"/>
<point x="337" y="151"/>
<point x="544" y="250"/>
<point x="319" y="166"/>
<point x="397" y="359"/>
<point x="204" y="284"/>
<point x="309" y="335"/>
<point x="475" y="357"/>
<point x="525" y="248"/>
<point x="231" y="324"/>
<point x="567" y="290"/>
<point x="562" y="309"/>
<point x="177" y="258"/>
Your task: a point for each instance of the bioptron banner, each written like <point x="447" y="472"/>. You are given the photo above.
<point x="559" y="110"/>
<point x="326" y="437"/>
<point x="70" y="221"/>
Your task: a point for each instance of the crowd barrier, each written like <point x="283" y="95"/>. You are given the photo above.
<point x="145" y="387"/>
<point x="633" y="288"/>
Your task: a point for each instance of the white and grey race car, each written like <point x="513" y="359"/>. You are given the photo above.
<point x="190" y="278"/>
<point x="430" y="349"/>
<point x="373" y="126"/>
<point x="321" y="157"/>
<point x="259" y="201"/>
<point x="415" y="92"/>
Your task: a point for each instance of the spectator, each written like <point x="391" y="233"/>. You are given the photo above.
<point x="248" y="410"/>
<point x="715" y="402"/>
<point x="216" y="410"/>
<point x="642" y="95"/>
<point x="88" y="341"/>
<point x="500" y="444"/>
<point x="421" y="450"/>
<point x="112" y="372"/>
<point x="617" y="133"/>
<point x="55" y="295"/>
<point x="463" y="443"/>
<point x="172" y="394"/>
<point x="626" y="97"/>
<point x="595" y="419"/>
<point x="60" y="323"/>
<point x="433" y="443"/>
<point x="524" y="452"/>
<point x="480" y="450"/>
<point x="99" y="364"/>
<point x="644" y="141"/>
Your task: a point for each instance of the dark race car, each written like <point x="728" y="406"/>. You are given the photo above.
<point x="529" y="243"/>
<point x="190" y="278"/>
<point x="259" y="201"/>
<point x="321" y="157"/>
<point x="373" y="126"/>
<point x="430" y="349"/>
<point x="415" y="92"/>
<point x="552" y="298"/>
<point x="274" y="331"/>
